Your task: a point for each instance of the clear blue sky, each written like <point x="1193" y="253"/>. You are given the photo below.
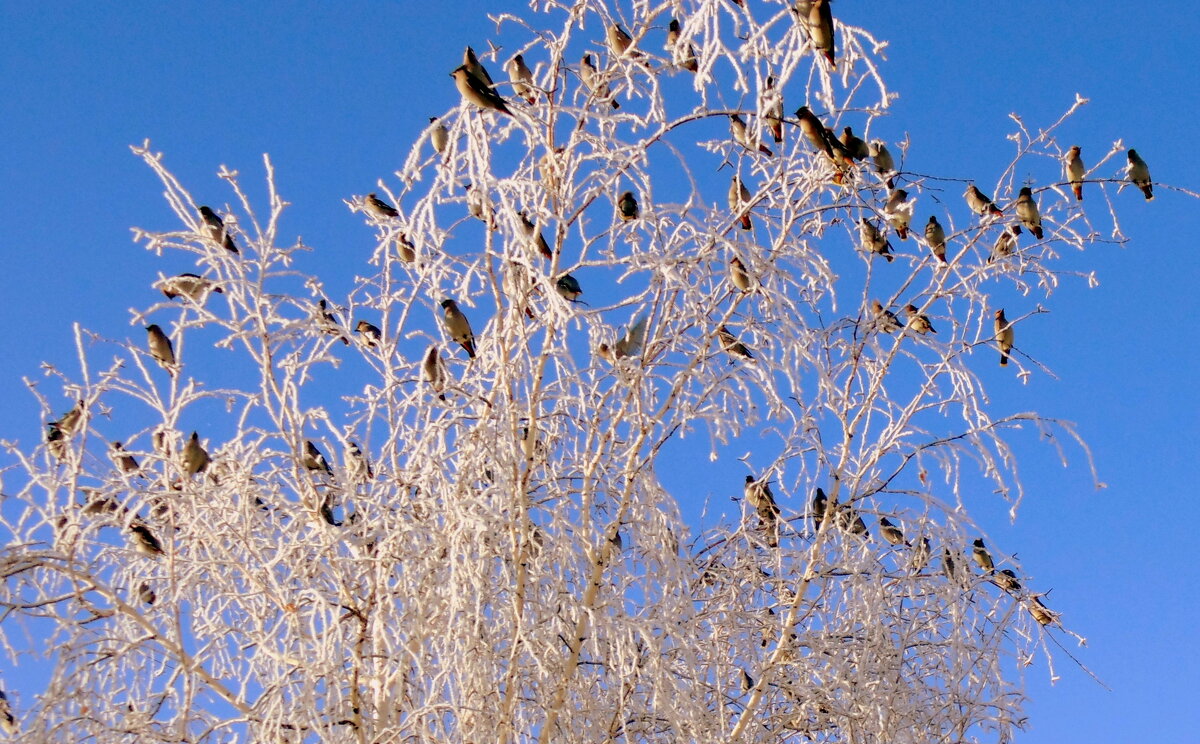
<point x="337" y="92"/>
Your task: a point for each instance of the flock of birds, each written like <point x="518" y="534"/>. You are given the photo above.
<point x="842" y="154"/>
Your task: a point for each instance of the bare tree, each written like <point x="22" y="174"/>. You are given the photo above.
<point x="431" y="510"/>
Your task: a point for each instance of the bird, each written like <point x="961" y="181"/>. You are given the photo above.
<point x="758" y="495"/>
<point x="816" y="132"/>
<point x="69" y="422"/>
<point x="405" y="249"/>
<point x="7" y="721"/>
<point x="327" y="322"/>
<point x="56" y="441"/>
<point x="358" y="467"/>
<point x="160" y="347"/>
<point x="619" y="40"/>
<point x="1138" y="174"/>
<point x="379" y="208"/>
<point x="732" y="346"/>
<point x="935" y="237"/>
<point x="435" y="372"/>
<point x="739" y="198"/>
<point x="885" y="320"/>
<point x="820" y="30"/>
<point x="593" y="82"/>
<point x="327" y="511"/>
<point x="1040" y="612"/>
<point x="1007" y="580"/>
<point x="979" y="202"/>
<point x="145" y="593"/>
<point x="522" y="78"/>
<point x="217" y="230"/>
<point x="476" y="93"/>
<point x="191" y="286"/>
<point x="568" y="288"/>
<point x="739" y="275"/>
<point x="1028" y="212"/>
<point x="856" y="147"/>
<point x="884" y="164"/>
<point x="1006" y="243"/>
<point x="1075" y="170"/>
<point x="742" y="136"/>
<point x="535" y="236"/>
<point x="627" y="206"/>
<point x="628" y="345"/>
<point x="1004" y="336"/>
<point x="948" y="566"/>
<point x="458" y="327"/>
<point x="851" y="521"/>
<point x="122" y="459"/>
<point x="772" y="110"/>
<point x="144" y="540"/>
<point x="371" y="335"/>
<point x="920" y="556"/>
<point x="899" y="211"/>
<point x="684" y="56"/>
<point x="440" y="136"/>
<point x="195" y="457"/>
<point x="982" y="557"/>
<point x="891" y="532"/>
<point x="476" y="69"/>
<point x="819" y="503"/>
<point x="917" y="321"/>
<point x="314" y="459"/>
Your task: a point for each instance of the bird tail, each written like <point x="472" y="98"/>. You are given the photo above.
<point x="746" y="222"/>
<point x="777" y="133"/>
<point x="1037" y="232"/>
<point x="1148" y="191"/>
<point x="615" y="104"/>
<point x="902" y="232"/>
<point x="1016" y="229"/>
<point x="765" y="150"/>
<point x="1078" y="189"/>
<point x="1003" y="359"/>
<point x="995" y="210"/>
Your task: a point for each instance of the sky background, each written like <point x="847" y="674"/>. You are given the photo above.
<point x="336" y="93"/>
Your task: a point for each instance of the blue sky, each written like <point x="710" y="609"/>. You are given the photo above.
<point x="337" y="92"/>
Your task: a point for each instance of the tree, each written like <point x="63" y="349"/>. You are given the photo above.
<point x="500" y="559"/>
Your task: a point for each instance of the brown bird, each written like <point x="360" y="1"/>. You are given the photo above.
<point x="1027" y="210"/>
<point x="979" y="202"/>
<point x="891" y="532"/>
<point x="685" y="57"/>
<point x="328" y="323"/>
<point x="627" y="345"/>
<point x="935" y="237"/>
<point x="920" y="556"/>
<point x="742" y="136"/>
<point x="314" y="459"/>
<point x="568" y="288"/>
<point x="458" y="327"/>
<point x="371" y="335"/>
<point x="379" y="208"/>
<point x="144" y="540"/>
<point x="873" y="239"/>
<point x="627" y="206"/>
<point x="819" y="503"/>
<point x="195" y="457"/>
<point x="217" y="231"/>
<point x="1040" y="612"/>
<point x="885" y="165"/>
<point x="899" y="211"/>
<point x="1005" y="244"/>
<point x="8" y="722"/>
<point x="535" y="237"/>
<point x="1007" y="580"/>
<point x="435" y="371"/>
<point x="982" y="557"/>
<point x="619" y="42"/>
<point x="122" y="459"/>
<point x="820" y="29"/>
<point x="739" y="198"/>
<point x="885" y="320"/>
<point x="856" y="147"/>
<point x="812" y="128"/>
<point x="522" y="78"/>
<point x="160" y="347"/>
<point x="439" y="137"/>
<point x="69" y="423"/>
<point x="358" y="467"/>
<point x="594" y="82"/>
<point x="476" y="69"/>
<point x="1004" y="336"/>
<point x="758" y="495"/>
<point x="732" y="346"/>
<point x="191" y="286"/>
<point x="1138" y="174"/>
<point x="1075" y="171"/>
<point x="917" y="321"/>
<point x="740" y="276"/>
<point x="477" y="93"/>
<point x="772" y="110"/>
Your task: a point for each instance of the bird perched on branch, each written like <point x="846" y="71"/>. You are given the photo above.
<point x="191" y="286"/>
<point x="217" y="232"/>
<point x="982" y="557"/>
<point x="522" y="78"/>
<point x="477" y="93"/>
<point x="379" y="208"/>
<point x="458" y="326"/>
<point x="568" y="287"/>
<point x="742" y="136"/>
<point x="122" y="459"/>
<point x="899" y="211"/>
<point x="935" y="237"/>
<point x="1075" y="171"/>
<point x="891" y="532"/>
<point x="439" y="136"/>
<point x="160" y="347"/>
<point x="885" y="165"/>
<point x="979" y="202"/>
<point x="885" y="320"/>
<point x="739" y="275"/>
<point x="369" y="334"/>
<point x="732" y="346"/>
<point x="739" y="199"/>
<point x="144" y="540"/>
<point x="758" y="495"/>
<point x="594" y="82"/>
<point x="195" y="457"/>
<point x="1006" y="243"/>
<point x="328" y="323"/>
<point x="627" y="207"/>
<point x="918" y="322"/>
<point x="856" y="147"/>
<point x="1004" y="336"/>
<point x="1027" y="210"/>
<point x="685" y="57"/>
<point x="435" y="371"/>
<point x="1138" y="174"/>
<point x="358" y="467"/>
